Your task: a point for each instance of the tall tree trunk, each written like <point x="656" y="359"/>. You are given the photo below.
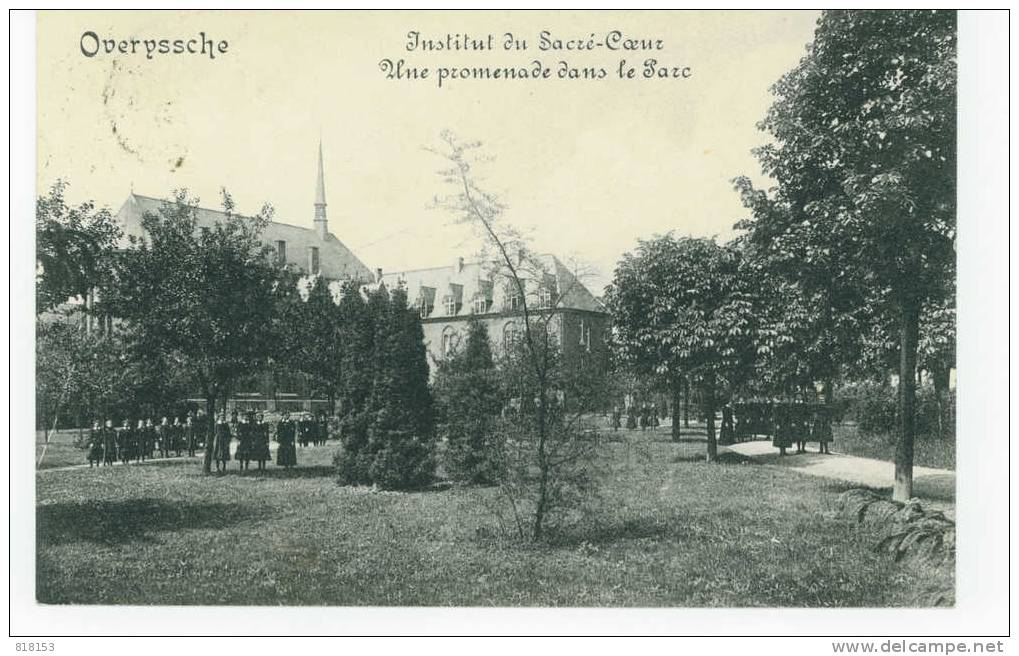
<point x="543" y="466"/>
<point x="940" y="376"/>
<point x="829" y="391"/>
<point x="210" y="410"/>
<point x="677" y="393"/>
<point x="686" y="403"/>
<point x="909" y="330"/>
<point x="709" y="403"/>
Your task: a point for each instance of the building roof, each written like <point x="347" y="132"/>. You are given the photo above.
<point x="463" y="282"/>
<point x="336" y="261"/>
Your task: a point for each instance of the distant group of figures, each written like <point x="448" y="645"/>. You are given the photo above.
<point x="787" y="424"/>
<point x="136" y="443"/>
<point x="108" y="444"/>
<point x="643" y="416"/>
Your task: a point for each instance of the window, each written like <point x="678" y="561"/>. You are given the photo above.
<point x="425" y="307"/>
<point x="513" y="300"/>
<point x="450" y="303"/>
<point x="481" y="304"/>
<point x="281" y="251"/>
<point x="450" y="340"/>
<point x="510" y="336"/>
<point x="544" y="298"/>
<point x="313" y="259"/>
<point x="585" y="334"/>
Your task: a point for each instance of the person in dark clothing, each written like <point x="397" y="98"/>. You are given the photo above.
<point x="163" y="437"/>
<point x="139" y="441"/>
<point x="109" y="443"/>
<point x="190" y="435"/>
<point x="286" y="454"/>
<point x="221" y="443"/>
<point x="245" y="441"/>
<point x="149" y="438"/>
<point x="125" y="442"/>
<point x="303" y="430"/>
<point x="260" y="452"/>
<point x="322" y="429"/>
<point x="95" y="445"/>
<point x="177" y="436"/>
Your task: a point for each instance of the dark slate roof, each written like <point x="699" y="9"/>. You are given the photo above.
<point x="466" y="281"/>
<point x="336" y="261"/>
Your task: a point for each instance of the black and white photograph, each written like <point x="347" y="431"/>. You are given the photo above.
<point x="544" y="310"/>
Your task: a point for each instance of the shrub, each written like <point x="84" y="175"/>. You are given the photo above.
<point x="874" y="407"/>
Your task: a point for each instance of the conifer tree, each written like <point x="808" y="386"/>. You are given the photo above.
<point x="468" y="397"/>
<point x="402" y="428"/>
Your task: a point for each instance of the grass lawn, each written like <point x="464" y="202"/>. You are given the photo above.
<point x="928" y="451"/>
<point x="60" y="452"/>
<point x="665" y="529"/>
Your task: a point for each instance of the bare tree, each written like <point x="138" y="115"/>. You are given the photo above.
<point x="558" y="444"/>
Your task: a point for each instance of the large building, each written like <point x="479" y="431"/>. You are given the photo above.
<point x="446" y="297"/>
<point x="312" y="251"/>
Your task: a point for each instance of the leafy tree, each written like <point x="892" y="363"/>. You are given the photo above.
<point x="810" y="288"/>
<point x="682" y="307"/>
<point x="864" y="159"/>
<point x="74" y="247"/>
<point x="319" y="349"/>
<point x="469" y="400"/>
<point x="79" y="375"/>
<point x="201" y="299"/>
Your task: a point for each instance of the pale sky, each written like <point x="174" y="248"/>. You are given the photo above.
<point x="591" y="166"/>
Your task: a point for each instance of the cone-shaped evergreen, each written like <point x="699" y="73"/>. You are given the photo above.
<point x="469" y="399"/>
<point x="390" y="440"/>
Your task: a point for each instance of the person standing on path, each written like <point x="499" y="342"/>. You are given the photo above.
<point x="261" y="452"/>
<point x="221" y="443"/>
<point x="109" y="443"/>
<point x="286" y="454"/>
<point x="95" y="445"/>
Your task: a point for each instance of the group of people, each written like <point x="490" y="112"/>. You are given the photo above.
<point x="135" y="443"/>
<point x="108" y="444"/>
<point x="788" y="424"/>
<point x="644" y="417"/>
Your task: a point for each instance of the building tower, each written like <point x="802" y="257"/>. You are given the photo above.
<point x="321" y="223"/>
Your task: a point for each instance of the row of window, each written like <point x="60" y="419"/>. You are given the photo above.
<point x="482" y="304"/>
<point x="511" y="335"/>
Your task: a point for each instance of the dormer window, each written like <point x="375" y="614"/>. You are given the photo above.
<point x="450" y="302"/>
<point x="544" y="298"/>
<point x="281" y="251"/>
<point x="481" y="304"/>
<point x="425" y="308"/>
<point x="513" y="299"/>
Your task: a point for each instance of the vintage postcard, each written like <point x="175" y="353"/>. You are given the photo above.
<point x="584" y="309"/>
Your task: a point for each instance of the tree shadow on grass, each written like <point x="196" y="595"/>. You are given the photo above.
<point x="601" y="534"/>
<point x="118" y="522"/>
<point x="723" y="458"/>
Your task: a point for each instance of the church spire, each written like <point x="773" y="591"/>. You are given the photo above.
<point x="321" y="223"/>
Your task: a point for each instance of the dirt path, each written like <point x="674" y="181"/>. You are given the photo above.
<point x="928" y="483"/>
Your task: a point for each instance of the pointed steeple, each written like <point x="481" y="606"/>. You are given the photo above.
<point x="321" y="223"/>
